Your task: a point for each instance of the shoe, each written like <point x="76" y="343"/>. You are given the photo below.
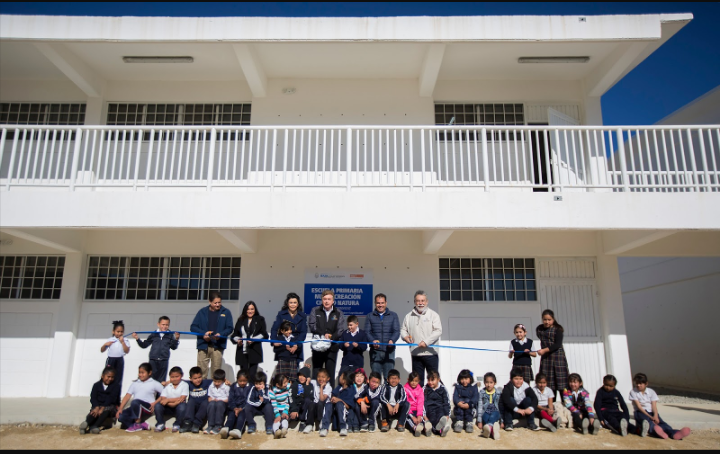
<point x="496" y="431"/>
<point x="427" y="427"/>
<point x="343" y="432"/>
<point x="224" y="432"/>
<point x="235" y="434"/>
<point x="645" y="428"/>
<point x="323" y="433"/>
<point x="308" y="429"/>
<point x="596" y="427"/>
<point x="384" y="426"/>
<point x="277" y="434"/>
<point x="585" y="426"/>
<point x="441" y="424"/>
<point x="623" y="427"/>
<point x="95" y="431"/>
<point x="559" y="423"/>
<point x="195" y="429"/>
<point x="175" y="428"/>
<point x="301" y="427"/>
<point x="284" y="431"/>
<point x="446" y="430"/>
<point x="418" y="430"/>
<point x="207" y="431"/>
<point x="533" y="427"/>
<point x="185" y="427"/>
<point x="393" y="424"/>
<point x="159" y="427"/>
<point x="458" y="427"/>
<point x="371" y="429"/>
<point x="268" y="431"/>
<point x="469" y="428"/>
<point x="486" y="431"/>
<point x="509" y="428"/>
<point x="363" y="428"/>
<point x="145" y="426"/>
<point x="660" y="432"/>
<point x="682" y="433"/>
<point x="251" y="429"/>
<point x="134" y="428"/>
<point x="548" y="425"/>
<point x="400" y="429"/>
<point x="83" y="427"/>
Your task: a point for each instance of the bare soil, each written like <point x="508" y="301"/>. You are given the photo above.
<point x="13" y="437"/>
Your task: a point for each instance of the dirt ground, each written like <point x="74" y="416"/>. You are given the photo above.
<point x="13" y="437"/>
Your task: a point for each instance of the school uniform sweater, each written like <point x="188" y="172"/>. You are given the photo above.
<point x="199" y="392"/>
<point x="160" y="344"/>
<point x="610" y="402"/>
<point x="353" y="356"/>
<point x="282" y="353"/>
<point x="238" y="396"/>
<point x="522" y="359"/>
<point x="509" y="400"/>
<point x="468" y="394"/>
<point x="347" y="395"/>
<point x="102" y="396"/>
<point x="437" y="400"/>
<point x="255" y="395"/>
<point x="387" y="395"/>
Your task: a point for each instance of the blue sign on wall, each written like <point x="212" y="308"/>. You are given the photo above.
<point x="353" y="290"/>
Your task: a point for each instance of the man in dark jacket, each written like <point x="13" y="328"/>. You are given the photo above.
<point x="382" y="326"/>
<point x="329" y="322"/>
<point x="519" y="400"/>
<point x="160" y="343"/>
<point x="214" y="321"/>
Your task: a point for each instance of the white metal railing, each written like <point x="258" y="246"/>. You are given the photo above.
<point x="408" y="158"/>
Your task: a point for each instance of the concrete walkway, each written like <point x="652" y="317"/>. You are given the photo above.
<point x="72" y="411"/>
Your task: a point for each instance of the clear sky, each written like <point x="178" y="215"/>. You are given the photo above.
<point x="684" y="68"/>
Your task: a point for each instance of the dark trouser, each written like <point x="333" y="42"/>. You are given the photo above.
<point x="324" y="360"/>
<point x="323" y="413"/>
<point x="612" y="420"/>
<point x="382" y="362"/>
<point x="410" y="421"/>
<point x="578" y="418"/>
<point x="510" y="414"/>
<point x="264" y="409"/>
<point x="374" y="411"/>
<point x="464" y="415"/>
<point x="104" y="419"/>
<point x="216" y="413"/>
<point x="401" y="415"/>
<point x="490" y="417"/>
<point x="420" y="364"/>
<point x="251" y="371"/>
<point x="159" y="368"/>
<point x="307" y="411"/>
<point x="434" y="415"/>
<point x="119" y="365"/>
<point x="162" y="413"/>
<point x="235" y="422"/>
<point x="196" y="411"/>
<point x="371" y="417"/>
<point x="663" y="425"/>
<point x="342" y="415"/>
<point x="138" y="410"/>
<point x="350" y="367"/>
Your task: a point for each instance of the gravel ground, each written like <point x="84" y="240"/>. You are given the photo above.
<point x="65" y="437"/>
<point x="674" y="396"/>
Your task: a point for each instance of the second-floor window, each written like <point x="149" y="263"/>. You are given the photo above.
<point x="135" y="114"/>
<point x="479" y="114"/>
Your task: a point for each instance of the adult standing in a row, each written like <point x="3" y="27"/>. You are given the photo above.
<point x="250" y="325"/>
<point x="292" y="311"/>
<point x="383" y="327"/>
<point x="553" y="362"/>
<point x="422" y="326"/>
<point x="329" y="322"/>
<point x="215" y="321"/>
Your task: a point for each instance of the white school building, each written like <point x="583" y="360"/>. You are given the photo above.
<point x="147" y="161"/>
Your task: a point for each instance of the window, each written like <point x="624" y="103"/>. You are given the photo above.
<point x="42" y="114"/>
<point x="31" y="277"/>
<point x="480" y="114"/>
<point x="485" y="279"/>
<point x="128" y="114"/>
<point x="162" y="278"/>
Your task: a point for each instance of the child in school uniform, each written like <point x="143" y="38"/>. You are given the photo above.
<point x="286" y="357"/>
<point x="280" y="399"/>
<point x="394" y="403"/>
<point x="144" y="392"/>
<point x="104" y="400"/>
<point x="197" y="403"/>
<point x="258" y="403"/>
<point x="465" y="399"/>
<point x="218" y="396"/>
<point x="490" y="407"/>
<point x="160" y="343"/>
<point x="521" y="352"/>
<point x="355" y="342"/>
<point x="545" y="410"/>
<point x="577" y="400"/>
<point x="117" y="347"/>
<point x="373" y="394"/>
<point x="437" y="406"/>
<point x="172" y="401"/>
<point x="323" y="402"/>
<point x="343" y="400"/>
<point x="416" y="399"/>
<point x="519" y="401"/>
<point x="237" y="398"/>
<point x="611" y="410"/>
<point x="645" y="401"/>
<point x="362" y="402"/>
<point x="302" y="406"/>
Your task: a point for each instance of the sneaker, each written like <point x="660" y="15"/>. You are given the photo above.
<point x="418" y="429"/>
<point x="308" y="429"/>
<point x="195" y="429"/>
<point x="585" y="426"/>
<point x="469" y="428"/>
<point x="400" y="429"/>
<point x="251" y="429"/>
<point x="284" y="431"/>
<point x="393" y="424"/>
<point x="496" y="431"/>
<point x="446" y="430"/>
<point x="175" y="428"/>
<point x="458" y="427"/>
<point x="268" y="431"/>
<point x="185" y="427"/>
<point x="301" y="427"/>
<point x="343" y="432"/>
<point x="645" y="428"/>
<point x="486" y="431"/>
<point x="95" y="431"/>
<point x="134" y="428"/>
<point x="83" y="427"/>
<point x="441" y="424"/>
<point x="159" y="427"/>
<point x="660" y="432"/>
<point x="277" y="434"/>
<point x="207" y="431"/>
<point x="596" y="427"/>
<point x="559" y="423"/>
<point x="548" y="425"/>
<point x="364" y="428"/>
<point x="145" y="426"/>
<point x="235" y="434"/>
<point x="509" y="428"/>
<point x="623" y="427"/>
<point x="682" y="433"/>
<point x="384" y="426"/>
<point x="224" y="432"/>
<point x="427" y="426"/>
<point x="323" y="433"/>
<point x="371" y="429"/>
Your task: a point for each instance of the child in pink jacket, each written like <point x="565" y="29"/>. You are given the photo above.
<point x="416" y="399"/>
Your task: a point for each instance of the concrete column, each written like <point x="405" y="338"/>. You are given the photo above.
<point x="593" y="111"/>
<point x="66" y="331"/>
<point x="612" y="319"/>
<point x="93" y="111"/>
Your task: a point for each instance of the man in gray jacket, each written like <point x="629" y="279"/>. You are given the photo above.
<point x="422" y="327"/>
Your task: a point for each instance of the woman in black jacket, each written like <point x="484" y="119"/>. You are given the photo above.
<point x="250" y="325"/>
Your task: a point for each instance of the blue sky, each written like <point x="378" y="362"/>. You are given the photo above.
<point x="684" y="68"/>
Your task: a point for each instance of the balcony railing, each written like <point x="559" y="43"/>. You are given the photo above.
<point x="415" y="158"/>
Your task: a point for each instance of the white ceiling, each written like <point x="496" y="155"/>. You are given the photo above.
<point x="21" y="60"/>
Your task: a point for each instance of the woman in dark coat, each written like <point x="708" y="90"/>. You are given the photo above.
<point x="250" y="325"/>
<point x="292" y="311"/>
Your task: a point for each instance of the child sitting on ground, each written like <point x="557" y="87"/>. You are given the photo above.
<point x="465" y="399"/>
<point x="394" y="403"/>
<point x="160" y="343"/>
<point x="416" y="398"/>
<point x="323" y="403"/>
<point x="236" y="408"/>
<point x="373" y="394"/>
<point x="258" y="403"/>
<point x="611" y="409"/>
<point x="645" y="401"/>
<point x="302" y="406"/>
<point x="343" y="400"/>
<point x="577" y="400"/>
<point x="280" y="399"/>
<point x="437" y="406"/>
<point x="143" y="392"/>
<point x="104" y="400"/>
<point x="218" y="396"/>
<point x="519" y="401"/>
<point x="172" y="401"/>
<point x="545" y="410"/>
<point x="197" y="404"/>
<point x="490" y="408"/>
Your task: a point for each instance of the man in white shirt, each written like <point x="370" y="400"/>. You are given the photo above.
<point x="422" y="326"/>
<point x="172" y="401"/>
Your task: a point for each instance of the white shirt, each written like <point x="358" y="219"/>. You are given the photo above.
<point x="105" y="387"/>
<point x="522" y="342"/>
<point x="327" y="390"/>
<point x="391" y="400"/>
<point x="171" y="392"/>
<point x="353" y="334"/>
<point x="221" y="392"/>
<point x="645" y="399"/>
<point x="543" y="396"/>
<point x="145" y="390"/>
<point x="116" y="350"/>
<point x="327" y="312"/>
<point x="519" y="394"/>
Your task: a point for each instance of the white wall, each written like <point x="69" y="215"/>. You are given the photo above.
<point x="671" y="313"/>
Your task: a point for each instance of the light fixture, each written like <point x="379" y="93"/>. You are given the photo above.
<point x="158" y="59"/>
<point x="289" y="91"/>
<point x="553" y="59"/>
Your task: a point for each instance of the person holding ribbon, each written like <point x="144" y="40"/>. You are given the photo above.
<point x="383" y="327"/>
<point x="422" y="327"/>
<point x="215" y="322"/>
<point x="250" y="325"/>
<point x="326" y="321"/>
<point x="292" y="311"/>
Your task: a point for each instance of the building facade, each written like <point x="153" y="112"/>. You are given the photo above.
<point x="147" y="161"/>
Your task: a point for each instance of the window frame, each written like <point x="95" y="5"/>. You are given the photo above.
<point x="488" y="281"/>
<point x="56" y="291"/>
<point x="181" y="114"/>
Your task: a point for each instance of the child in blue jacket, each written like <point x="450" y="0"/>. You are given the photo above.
<point x="343" y="400"/>
<point x="236" y="417"/>
<point x="465" y="399"/>
<point x="160" y="343"/>
<point x="355" y="342"/>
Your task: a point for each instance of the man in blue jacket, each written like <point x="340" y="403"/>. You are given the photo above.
<point x="214" y="320"/>
<point x="382" y="326"/>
